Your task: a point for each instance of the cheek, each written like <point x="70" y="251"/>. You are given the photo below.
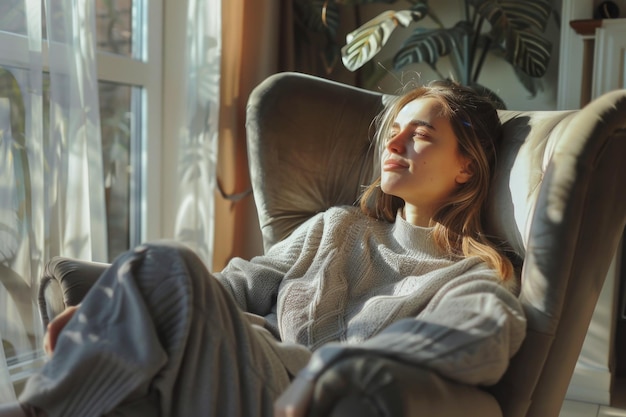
<point x="442" y="170"/>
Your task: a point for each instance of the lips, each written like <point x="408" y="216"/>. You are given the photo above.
<point x="394" y="164"/>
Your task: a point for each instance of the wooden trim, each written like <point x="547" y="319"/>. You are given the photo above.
<point x="586" y="27"/>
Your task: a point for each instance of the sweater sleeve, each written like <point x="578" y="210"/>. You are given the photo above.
<point x="468" y="333"/>
<point x="254" y="283"/>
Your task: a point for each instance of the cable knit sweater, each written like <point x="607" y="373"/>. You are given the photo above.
<point x="344" y="283"/>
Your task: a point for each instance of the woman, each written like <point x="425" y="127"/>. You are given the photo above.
<point x="408" y="275"/>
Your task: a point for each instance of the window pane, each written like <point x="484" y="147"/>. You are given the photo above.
<point x="19" y="319"/>
<point x="13" y="16"/>
<point x="115" y="28"/>
<point x="116" y="119"/>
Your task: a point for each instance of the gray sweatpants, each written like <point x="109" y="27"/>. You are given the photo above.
<point x="159" y="336"/>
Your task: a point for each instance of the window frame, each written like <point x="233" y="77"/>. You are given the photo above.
<point x="144" y="71"/>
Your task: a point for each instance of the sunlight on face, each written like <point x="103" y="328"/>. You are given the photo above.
<point x="420" y="162"/>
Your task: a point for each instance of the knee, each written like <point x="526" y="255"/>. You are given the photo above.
<point x="178" y="262"/>
<point x="160" y="264"/>
<point x="171" y="252"/>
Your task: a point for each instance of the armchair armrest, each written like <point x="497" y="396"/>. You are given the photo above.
<point x="370" y="386"/>
<point x="64" y="283"/>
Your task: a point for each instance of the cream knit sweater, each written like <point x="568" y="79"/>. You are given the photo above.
<point x="344" y="283"/>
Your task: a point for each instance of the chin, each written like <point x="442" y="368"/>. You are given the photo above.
<point x="389" y="192"/>
<point x="385" y="189"/>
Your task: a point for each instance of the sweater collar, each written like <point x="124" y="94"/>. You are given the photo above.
<point x="412" y="237"/>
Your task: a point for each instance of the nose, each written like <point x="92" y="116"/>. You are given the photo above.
<point x="396" y="143"/>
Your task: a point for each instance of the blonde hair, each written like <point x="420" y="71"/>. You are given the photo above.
<point x="458" y="226"/>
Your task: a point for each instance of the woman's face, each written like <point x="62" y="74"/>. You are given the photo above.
<point x="420" y="161"/>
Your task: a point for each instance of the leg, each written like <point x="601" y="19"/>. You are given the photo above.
<point x="158" y="334"/>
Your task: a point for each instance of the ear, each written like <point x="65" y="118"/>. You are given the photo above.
<point x="466" y="172"/>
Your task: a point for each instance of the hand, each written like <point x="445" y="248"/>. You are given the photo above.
<point x="294" y="402"/>
<point x="55" y="327"/>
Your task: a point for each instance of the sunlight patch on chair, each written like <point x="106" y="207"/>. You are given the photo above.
<point x="108" y="291"/>
<point x="75" y="337"/>
<point x="123" y="270"/>
<point x="523" y="186"/>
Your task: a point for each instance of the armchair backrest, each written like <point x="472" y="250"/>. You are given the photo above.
<point x="556" y="198"/>
<point x="308" y="147"/>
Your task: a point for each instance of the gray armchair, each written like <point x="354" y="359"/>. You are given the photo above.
<point x="557" y="198"/>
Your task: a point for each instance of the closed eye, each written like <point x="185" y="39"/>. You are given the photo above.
<point x="392" y="133"/>
<point x="421" y="134"/>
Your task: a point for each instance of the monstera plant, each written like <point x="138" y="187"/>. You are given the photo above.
<point x="511" y="29"/>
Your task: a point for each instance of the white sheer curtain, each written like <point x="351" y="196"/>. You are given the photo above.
<point x="197" y="146"/>
<point x="51" y="182"/>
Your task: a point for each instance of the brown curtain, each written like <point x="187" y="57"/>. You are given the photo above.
<point x="258" y="40"/>
<point x="249" y="54"/>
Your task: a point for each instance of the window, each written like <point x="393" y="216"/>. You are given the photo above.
<point x="128" y="66"/>
<point x="129" y="72"/>
<point x="119" y="28"/>
<point x="125" y="69"/>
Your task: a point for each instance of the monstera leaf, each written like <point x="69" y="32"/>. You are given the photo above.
<point x="367" y="41"/>
<point x="516" y="27"/>
<point x="529" y="52"/>
<point x="428" y="45"/>
<point x="506" y="14"/>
